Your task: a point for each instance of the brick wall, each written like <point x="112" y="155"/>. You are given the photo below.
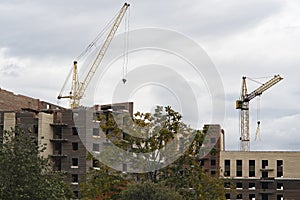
<point x="11" y="101"/>
<point x="15" y="102"/>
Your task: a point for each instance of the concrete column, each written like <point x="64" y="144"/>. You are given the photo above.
<point x="45" y="132"/>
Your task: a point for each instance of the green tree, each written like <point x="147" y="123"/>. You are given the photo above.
<point x="157" y="131"/>
<point x="24" y="173"/>
<point x="149" y="191"/>
<point x="102" y="184"/>
<point x="185" y="175"/>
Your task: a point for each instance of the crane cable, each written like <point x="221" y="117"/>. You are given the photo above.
<point x="94" y="42"/>
<point x="125" y="50"/>
<point x="257" y="132"/>
<point x="86" y="51"/>
<point x="240" y="119"/>
<point x="89" y="53"/>
<point x="256" y="79"/>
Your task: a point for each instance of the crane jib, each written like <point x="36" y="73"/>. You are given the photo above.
<point x="78" y="88"/>
<point x="243" y="106"/>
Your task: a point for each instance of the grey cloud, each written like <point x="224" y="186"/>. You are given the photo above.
<point x="44" y="28"/>
<point x="56" y="28"/>
<point x="50" y="33"/>
<point x="212" y="17"/>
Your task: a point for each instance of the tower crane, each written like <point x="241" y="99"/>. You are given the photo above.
<point x="243" y="105"/>
<point x="78" y="88"/>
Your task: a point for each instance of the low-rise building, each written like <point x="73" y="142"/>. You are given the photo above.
<point x="261" y="175"/>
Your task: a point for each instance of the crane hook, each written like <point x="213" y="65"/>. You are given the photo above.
<point x="257" y="133"/>
<point x="124" y="80"/>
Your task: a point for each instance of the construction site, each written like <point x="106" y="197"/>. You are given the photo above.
<point x="255" y="175"/>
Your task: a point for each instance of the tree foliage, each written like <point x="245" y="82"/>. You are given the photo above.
<point x="149" y="191"/>
<point x="185" y="175"/>
<point x="24" y="173"/>
<point x="102" y="184"/>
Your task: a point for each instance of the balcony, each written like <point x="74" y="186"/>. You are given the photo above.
<point x="58" y="154"/>
<point x="266" y="191"/>
<point x="267" y="179"/>
<point x="58" y="124"/>
<point x="267" y="168"/>
<point x="59" y="140"/>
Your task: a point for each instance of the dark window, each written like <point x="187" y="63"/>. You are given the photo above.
<point x="264" y="197"/>
<point x="279" y="168"/>
<point x="96" y="163"/>
<point x="265" y="174"/>
<point x="280" y="197"/>
<point x="239" y="196"/>
<point x="239" y="185"/>
<point x="74" y="161"/>
<point x="124" y="167"/>
<point x="57" y="165"/>
<point x="264" y="185"/>
<point x="213" y="172"/>
<point x="279" y="186"/>
<point x="227" y="162"/>
<point x="212" y="140"/>
<point x="251" y="185"/>
<point x="227" y="168"/>
<point x="251" y="173"/>
<point x="227" y="196"/>
<point x="202" y="162"/>
<point x="239" y="168"/>
<point x="75" y="146"/>
<point x="58" y="130"/>
<point x="251" y="162"/>
<point x="96" y="132"/>
<point x="74" y="131"/>
<point x="96" y="147"/>
<point x="264" y="163"/>
<point x="36" y="128"/>
<point x="251" y="168"/>
<point x="239" y="173"/>
<point x="251" y="196"/>
<point x="76" y="194"/>
<point x="74" y="178"/>
<point x="57" y="149"/>
<point x="213" y="162"/>
<point x="57" y="133"/>
<point x="227" y="185"/>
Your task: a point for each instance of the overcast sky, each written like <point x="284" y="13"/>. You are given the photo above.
<point x="256" y="38"/>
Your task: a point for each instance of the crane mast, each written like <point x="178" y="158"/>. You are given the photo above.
<point x="243" y="105"/>
<point x="78" y="88"/>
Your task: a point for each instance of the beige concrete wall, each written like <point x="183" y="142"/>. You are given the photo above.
<point x="45" y="131"/>
<point x="9" y="121"/>
<point x="291" y="162"/>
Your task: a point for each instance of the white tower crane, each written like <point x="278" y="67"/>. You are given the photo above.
<point x="243" y="105"/>
<point x="78" y="88"/>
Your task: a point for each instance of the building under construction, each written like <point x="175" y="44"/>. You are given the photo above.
<point x="261" y="175"/>
<point x="53" y="126"/>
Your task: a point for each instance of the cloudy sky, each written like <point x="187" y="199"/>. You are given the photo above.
<point x="256" y="38"/>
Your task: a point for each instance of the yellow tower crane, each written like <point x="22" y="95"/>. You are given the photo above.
<point x="243" y="106"/>
<point x="78" y="88"/>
